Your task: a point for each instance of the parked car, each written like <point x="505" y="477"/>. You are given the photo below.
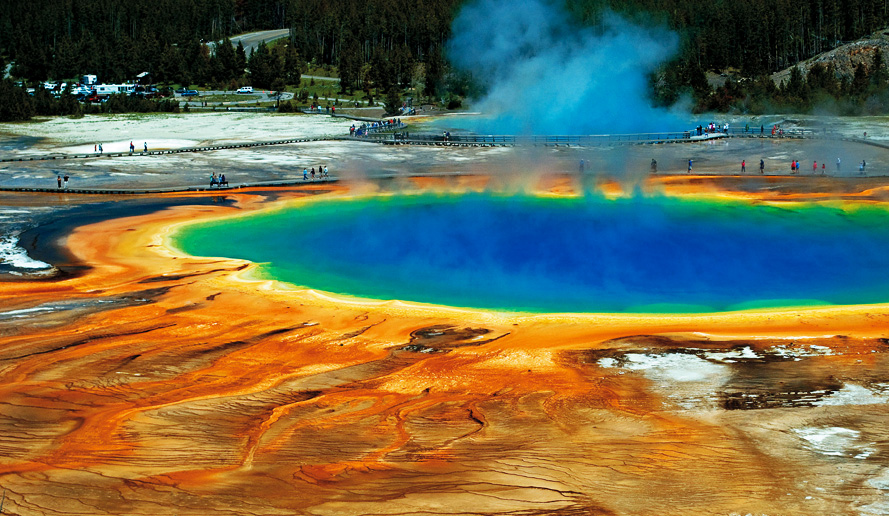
<point x="190" y="93"/>
<point x="245" y="89"/>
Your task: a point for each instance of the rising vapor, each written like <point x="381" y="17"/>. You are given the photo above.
<point x="546" y="74"/>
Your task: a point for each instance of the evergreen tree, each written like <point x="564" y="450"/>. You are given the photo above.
<point x="878" y="74"/>
<point x="262" y="67"/>
<point x="350" y="68"/>
<point x="240" y="60"/>
<point x="15" y="104"/>
<point x="226" y="61"/>
<point x="393" y="101"/>
<point x="293" y="66"/>
<point x="434" y="71"/>
<point x="860" y="81"/>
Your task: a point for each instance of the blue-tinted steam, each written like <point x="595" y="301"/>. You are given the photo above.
<point x="545" y="74"/>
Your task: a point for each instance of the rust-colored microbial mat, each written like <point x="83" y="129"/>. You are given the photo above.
<point x="171" y="384"/>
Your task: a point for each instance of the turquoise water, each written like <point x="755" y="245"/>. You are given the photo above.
<point x="652" y="254"/>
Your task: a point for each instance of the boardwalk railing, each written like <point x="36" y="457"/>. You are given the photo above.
<point x="373" y="131"/>
<point x="579" y="140"/>
<point x="387" y="134"/>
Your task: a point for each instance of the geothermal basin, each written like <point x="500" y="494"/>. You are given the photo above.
<point x="586" y="253"/>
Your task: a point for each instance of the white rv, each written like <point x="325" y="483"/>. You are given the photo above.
<point x="104" y="90"/>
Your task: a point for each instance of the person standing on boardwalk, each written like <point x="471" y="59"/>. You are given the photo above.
<point x="838" y="165"/>
<point x="59" y="179"/>
<point x="144" y="146"/>
<point x="100" y="148"/>
<point x="94" y="147"/>
<point x="132" y="147"/>
<point x="743" y="166"/>
<point x="814" y="167"/>
<point x="66" y="181"/>
<point x="654" y="166"/>
<point x="305" y="174"/>
<point x="762" y="166"/>
<point x="689" y="166"/>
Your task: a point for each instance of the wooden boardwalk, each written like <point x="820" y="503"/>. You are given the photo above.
<point x="490" y="140"/>
<point x="97" y="190"/>
<point x="205" y="148"/>
<point x="386" y="137"/>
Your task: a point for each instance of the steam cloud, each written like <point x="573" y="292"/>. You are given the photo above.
<point x="545" y="74"/>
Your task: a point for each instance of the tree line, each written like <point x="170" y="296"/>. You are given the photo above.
<point x="392" y="44"/>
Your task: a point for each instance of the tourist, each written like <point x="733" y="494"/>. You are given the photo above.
<point x="762" y="166"/>
<point x="100" y="148"/>
<point x="144" y="146"/>
<point x="305" y="174"/>
<point x="59" y="179"/>
<point x="65" y="179"/>
<point x="213" y="180"/>
<point x="654" y="166"/>
<point x="132" y="147"/>
<point x="326" y="174"/>
<point x="689" y="166"/>
<point x="223" y="180"/>
<point x="838" y="165"/>
<point x="743" y="166"/>
<point x="861" y="167"/>
<point x="581" y="166"/>
<point x="313" y="173"/>
<point x="814" y="167"/>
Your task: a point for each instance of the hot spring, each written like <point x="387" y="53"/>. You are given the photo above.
<point x="558" y="254"/>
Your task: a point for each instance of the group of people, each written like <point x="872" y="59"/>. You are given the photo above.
<point x="218" y="181"/>
<point x="61" y="185"/>
<point x="382" y="125"/>
<point x="316" y="108"/>
<point x="322" y="173"/>
<point x="795" y="167"/>
<point x="711" y="128"/>
<point x="97" y="148"/>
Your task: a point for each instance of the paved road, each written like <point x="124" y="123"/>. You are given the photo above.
<point x="320" y="78"/>
<point x="252" y="40"/>
<point x="264" y="96"/>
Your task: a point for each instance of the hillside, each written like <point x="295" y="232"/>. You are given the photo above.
<point x="845" y="57"/>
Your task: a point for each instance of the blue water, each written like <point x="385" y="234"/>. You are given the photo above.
<point x="565" y="254"/>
